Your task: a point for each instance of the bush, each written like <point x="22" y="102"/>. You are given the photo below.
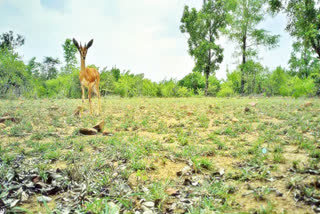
<point x="107" y="82"/>
<point x="316" y="79"/>
<point x="149" y="88"/>
<point x="235" y="79"/>
<point x="184" y="92"/>
<point x="297" y="87"/>
<point x="214" y="86"/>
<point x="168" y="89"/>
<point x="200" y="92"/>
<point x="275" y="83"/>
<point x="226" y="90"/>
<point x="193" y="81"/>
<point x="129" y="85"/>
<point x="14" y="77"/>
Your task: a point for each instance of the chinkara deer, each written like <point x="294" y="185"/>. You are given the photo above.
<point x="89" y="77"/>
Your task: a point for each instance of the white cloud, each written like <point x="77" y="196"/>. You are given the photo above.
<point x="142" y="35"/>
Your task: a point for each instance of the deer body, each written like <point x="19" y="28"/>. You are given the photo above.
<point x="89" y="77"/>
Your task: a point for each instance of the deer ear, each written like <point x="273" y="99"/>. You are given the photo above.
<point x="76" y="43"/>
<point x="89" y="44"/>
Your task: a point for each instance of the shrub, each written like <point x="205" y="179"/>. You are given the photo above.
<point x="184" y="92"/>
<point x="168" y="88"/>
<point x="226" y="90"/>
<point x="14" y="77"/>
<point x="193" y="81"/>
<point x="149" y="88"/>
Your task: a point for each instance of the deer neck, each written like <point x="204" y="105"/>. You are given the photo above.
<point x="83" y="65"/>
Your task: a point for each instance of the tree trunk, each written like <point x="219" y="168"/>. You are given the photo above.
<point x="207" y="72"/>
<point x="244" y="47"/>
<point x="316" y="47"/>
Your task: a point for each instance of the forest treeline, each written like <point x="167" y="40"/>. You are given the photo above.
<point x="237" y="20"/>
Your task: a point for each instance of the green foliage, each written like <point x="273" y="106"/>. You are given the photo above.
<point x="49" y="69"/>
<point x="107" y="81"/>
<point x="226" y="90"/>
<point x="193" y="81"/>
<point x="246" y="17"/>
<point x="214" y="86"/>
<point x="129" y="85"/>
<point x="235" y="79"/>
<point x="66" y="85"/>
<point x="297" y="87"/>
<point x="251" y="71"/>
<point x="275" y="83"/>
<point x="316" y="78"/>
<point x="168" y="88"/>
<point x="38" y="80"/>
<point x="34" y="67"/>
<point x="184" y="92"/>
<point x="10" y="42"/>
<point x="14" y="78"/>
<point x="203" y="28"/>
<point x="302" y="61"/>
<point x="69" y="53"/>
<point x="304" y="22"/>
<point x="149" y="88"/>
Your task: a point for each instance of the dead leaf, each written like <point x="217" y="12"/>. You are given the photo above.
<point x="77" y="111"/>
<point x="172" y="192"/>
<point x="234" y="120"/>
<point x="106" y="133"/>
<point x="88" y="131"/>
<point x="99" y="126"/>
<point x="253" y="104"/>
<point x="246" y="109"/>
<point x="13" y="119"/>
<point x="53" y="108"/>
<point x="308" y="104"/>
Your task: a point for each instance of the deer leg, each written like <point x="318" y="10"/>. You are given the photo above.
<point x="82" y="95"/>
<point x="99" y="100"/>
<point x="89" y="97"/>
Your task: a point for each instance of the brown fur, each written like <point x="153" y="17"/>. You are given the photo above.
<point x="89" y="75"/>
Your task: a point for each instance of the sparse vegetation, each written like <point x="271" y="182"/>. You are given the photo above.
<point x="209" y="152"/>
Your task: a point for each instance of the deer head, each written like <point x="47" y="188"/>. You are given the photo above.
<point x="83" y="50"/>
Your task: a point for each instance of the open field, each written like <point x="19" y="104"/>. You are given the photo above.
<point x="192" y="155"/>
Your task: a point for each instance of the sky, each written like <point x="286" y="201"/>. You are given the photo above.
<point x="142" y="36"/>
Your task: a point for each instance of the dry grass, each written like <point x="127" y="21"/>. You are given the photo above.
<point x="155" y="138"/>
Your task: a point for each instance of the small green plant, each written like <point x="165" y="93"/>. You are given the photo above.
<point x="52" y="155"/>
<point x="278" y="158"/>
<point x="138" y="165"/>
<point x="202" y="163"/>
<point x="157" y="193"/>
<point x="204" y="121"/>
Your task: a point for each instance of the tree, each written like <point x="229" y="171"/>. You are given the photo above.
<point x="69" y="53"/>
<point x="49" y="69"/>
<point x="34" y="67"/>
<point x="115" y="73"/>
<point x="194" y="81"/>
<point x="244" y="31"/>
<point x="203" y="28"/>
<point x="9" y="41"/>
<point x="302" y="61"/>
<point x="13" y="75"/>
<point x="304" y="23"/>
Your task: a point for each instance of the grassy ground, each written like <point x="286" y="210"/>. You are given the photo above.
<point x="193" y="155"/>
